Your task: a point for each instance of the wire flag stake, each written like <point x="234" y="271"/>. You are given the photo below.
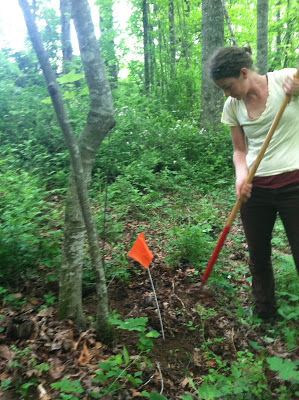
<point x="141" y="253"/>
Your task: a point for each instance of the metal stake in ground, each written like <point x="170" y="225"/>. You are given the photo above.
<point x="158" y="308"/>
<point x="141" y="253"/>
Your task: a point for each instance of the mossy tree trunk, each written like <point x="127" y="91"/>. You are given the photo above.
<point x="212" y="30"/>
<point x="67" y="49"/>
<point x="146" y="45"/>
<point x="262" y="36"/>
<point x="78" y="216"/>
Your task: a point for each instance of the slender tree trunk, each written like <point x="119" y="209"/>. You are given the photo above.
<point x="278" y="53"/>
<point x="107" y="38"/>
<point x="185" y="48"/>
<point x="287" y="37"/>
<point x="262" y="36"/>
<point x="166" y="75"/>
<point x="188" y="5"/>
<point x="145" y="46"/>
<point x="99" y="121"/>
<point x="172" y="43"/>
<point x="161" y="60"/>
<point x="152" y="56"/>
<point x="67" y="49"/>
<point x="212" y="28"/>
<point x="228" y="23"/>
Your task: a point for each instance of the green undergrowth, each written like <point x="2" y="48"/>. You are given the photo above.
<point x="173" y="181"/>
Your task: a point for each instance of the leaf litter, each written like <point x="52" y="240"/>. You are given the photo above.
<point x="67" y="352"/>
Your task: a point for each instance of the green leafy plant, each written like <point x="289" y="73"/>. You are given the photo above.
<point x="21" y="385"/>
<point x="49" y="301"/>
<point x="6" y="384"/>
<point x="244" y="379"/>
<point x="114" y="371"/>
<point x="189" y="244"/>
<point x="137" y="324"/>
<point x="286" y="369"/>
<point x="68" y="389"/>
<point x="24" y="212"/>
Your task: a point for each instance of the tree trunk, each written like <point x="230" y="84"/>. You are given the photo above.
<point x="278" y="52"/>
<point x="172" y="43"/>
<point x="228" y="23"/>
<point x="65" y="17"/>
<point x="161" y="59"/>
<point x="212" y="28"/>
<point x="287" y="37"/>
<point x="107" y="44"/>
<point x="262" y="36"/>
<point x="99" y="121"/>
<point x="152" y="56"/>
<point x="145" y="46"/>
<point x="185" y="48"/>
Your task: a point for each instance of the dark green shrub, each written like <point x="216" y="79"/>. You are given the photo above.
<point x="189" y="245"/>
<point x="28" y="236"/>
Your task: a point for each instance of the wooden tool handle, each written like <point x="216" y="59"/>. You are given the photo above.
<point x="261" y="153"/>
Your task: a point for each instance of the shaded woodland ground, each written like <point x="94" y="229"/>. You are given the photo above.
<point x="209" y="341"/>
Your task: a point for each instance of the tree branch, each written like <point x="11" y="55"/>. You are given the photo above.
<point x="101" y="114"/>
<point x="228" y="23"/>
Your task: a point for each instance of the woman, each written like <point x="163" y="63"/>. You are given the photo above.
<point x="251" y="107"/>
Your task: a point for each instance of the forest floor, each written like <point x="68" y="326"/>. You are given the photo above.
<point x="205" y="331"/>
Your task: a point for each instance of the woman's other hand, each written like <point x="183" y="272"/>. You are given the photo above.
<point x="291" y="85"/>
<point x="243" y="189"/>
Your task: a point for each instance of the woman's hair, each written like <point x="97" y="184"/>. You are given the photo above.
<point x="227" y="62"/>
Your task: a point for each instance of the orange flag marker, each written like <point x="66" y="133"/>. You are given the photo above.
<point x="140" y="252"/>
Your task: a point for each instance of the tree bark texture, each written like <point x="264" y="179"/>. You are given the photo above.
<point x="228" y="23"/>
<point x="100" y="119"/>
<point x="107" y="37"/>
<point x="278" y="53"/>
<point x="145" y="46"/>
<point x="172" y="42"/>
<point x="185" y="48"/>
<point x="287" y="37"/>
<point x="212" y="30"/>
<point x="162" y="80"/>
<point x="65" y="18"/>
<point x="262" y="36"/>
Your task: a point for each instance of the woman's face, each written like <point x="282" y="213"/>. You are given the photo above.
<point x="234" y="87"/>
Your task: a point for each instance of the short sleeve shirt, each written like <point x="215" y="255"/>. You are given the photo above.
<point x="282" y="154"/>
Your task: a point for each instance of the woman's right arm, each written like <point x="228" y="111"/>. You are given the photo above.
<point x="239" y="158"/>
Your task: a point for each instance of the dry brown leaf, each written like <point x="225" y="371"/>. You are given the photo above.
<point x="42" y="394"/>
<point x="185" y="382"/>
<point x="98" y="345"/>
<point x="196" y="357"/>
<point x="85" y="356"/>
<point x="63" y="340"/>
<point x="76" y="344"/>
<point x="157" y="378"/>
<point x="56" y="368"/>
<point x="6" y="353"/>
<point x="135" y="393"/>
<point x="45" y="312"/>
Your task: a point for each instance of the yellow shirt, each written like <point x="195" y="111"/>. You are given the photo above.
<point x="282" y="154"/>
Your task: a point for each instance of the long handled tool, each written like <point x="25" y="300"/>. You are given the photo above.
<point x="250" y="176"/>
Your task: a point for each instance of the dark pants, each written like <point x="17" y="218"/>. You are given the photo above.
<point x="258" y="216"/>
